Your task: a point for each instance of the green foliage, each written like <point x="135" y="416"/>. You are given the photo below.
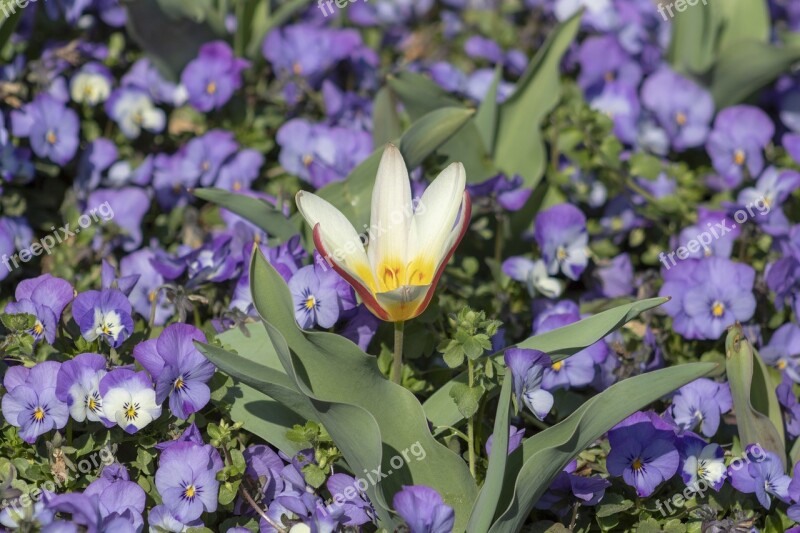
<point x="471" y="337"/>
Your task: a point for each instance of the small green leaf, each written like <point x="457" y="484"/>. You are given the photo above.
<point x="314" y="475"/>
<point x="467" y="398"/>
<point x="228" y="491"/>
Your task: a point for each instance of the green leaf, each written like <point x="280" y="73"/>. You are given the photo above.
<point x="314" y="475"/>
<point x="746" y="66"/>
<point x="386" y="125"/>
<point x="467" y="398"/>
<point x="9" y="25"/>
<point x="519" y="148"/>
<point x="559" y="344"/>
<point x="747" y="380"/>
<point x="420" y="94"/>
<point x="693" y="46"/>
<point x="263" y="21"/>
<point x="645" y="165"/>
<point x="532" y="467"/>
<point x="489" y="496"/>
<point x="743" y="20"/>
<point x="353" y="196"/>
<point x="257" y="211"/>
<point x="228" y="491"/>
<point x="486" y="117"/>
<point x="612" y="504"/>
<point x="369" y="418"/>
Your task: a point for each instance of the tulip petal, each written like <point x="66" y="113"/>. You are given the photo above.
<point x="390" y="221"/>
<point x="435" y="222"/>
<point x="404" y="303"/>
<point x="339" y="239"/>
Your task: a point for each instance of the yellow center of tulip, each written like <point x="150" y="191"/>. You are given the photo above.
<point x="38" y="414"/>
<point x="738" y="157"/>
<point x="718" y="309"/>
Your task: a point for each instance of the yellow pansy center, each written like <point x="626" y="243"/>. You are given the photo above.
<point x="561" y="253"/>
<point x="38" y="328"/>
<point x="781" y="364"/>
<point x="189" y="491"/>
<point x="310" y="302"/>
<point x="131" y="410"/>
<point x="151" y="296"/>
<point x="738" y="157"/>
<point x="38" y="414"/>
<point x="179" y="383"/>
<point x="52" y="137"/>
<point x="637" y="464"/>
<point x="558" y="365"/>
<point x="211" y="88"/>
<point x="718" y="309"/>
<point x="680" y="118"/>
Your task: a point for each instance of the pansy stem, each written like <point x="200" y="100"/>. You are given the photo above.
<point x="397" y="361"/>
<point x="471" y="423"/>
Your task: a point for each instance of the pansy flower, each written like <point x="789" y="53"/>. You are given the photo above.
<point x="180" y="371"/>
<point x="642" y="452"/>
<point x="701" y="403"/>
<point x="105" y="314"/>
<point x="31" y="403"/>
<point x="423" y="510"/>
<point x="133" y="110"/>
<point x="790" y="406"/>
<point x="761" y="474"/>
<point x="186" y="479"/>
<point x="91" y="85"/>
<point x="145" y="294"/>
<point x="357" y="509"/>
<point x="44" y="297"/>
<point x="78" y="384"/>
<point x="764" y="201"/>
<point x="213" y="77"/>
<point x="569" y="488"/>
<point x="527" y="370"/>
<point x="315" y="296"/>
<point x="535" y="276"/>
<point x="783" y="351"/>
<point x="51" y="127"/>
<point x="129" y="399"/>
<point x="515" y="436"/>
<point x="736" y="143"/>
<point x="560" y="232"/>
<point x="701" y="462"/>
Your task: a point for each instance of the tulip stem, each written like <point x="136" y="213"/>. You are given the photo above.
<point x="397" y="361"/>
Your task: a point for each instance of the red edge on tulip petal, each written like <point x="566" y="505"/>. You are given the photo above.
<point x="466" y="215"/>
<point x="363" y="292"/>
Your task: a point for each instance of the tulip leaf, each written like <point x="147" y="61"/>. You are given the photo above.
<point x="743" y="20"/>
<point x="693" y="46"/>
<point x="750" y="388"/>
<point x="519" y="147"/>
<point x="256" y="210"/>
<point x="486" y="117"/>
<point x="353" y="196"/>
<point x="420" y="94"/>
<point x="746" y="66"/>
<point x="386" y="125"/>
<point x="559" y="344"/>
<point x="371" y="420"/>
<point x="486" y="504"/>
<point x="531" y="468"/>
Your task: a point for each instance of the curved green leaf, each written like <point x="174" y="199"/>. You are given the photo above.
<point x="751" y="396"/>
<point x="559" y="344"/>
<point x="532" y="467"/>
<point x="371" y="419"/>
<point x="257" y="211"/>
<point x="486" y="505"/>
<point x="420" y="94"/>
<point x="519" y="148"/>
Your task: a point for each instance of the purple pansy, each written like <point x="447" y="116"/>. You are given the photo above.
<point x="317" y="292"/>
<point x="507" y="192"/>
<point x="740" y="134"/>
<point x="709" y="223"/>
<point x="186" y="479"/>
<point x="681" y="107"/>
<point x="423" y="510"/>
<point x="783" y="351"/>
<point x="761" y="472"/>
<point x="145" y="292"/>
<point x="345" y="491"/>
<point x="701" y="403"/>
<point x="180" y="371"/>
<point x="708" y="295"/>
<point x="527" y="370"/>
<point x="642" y="452"/>
<point x="51" y="127"/>
<point x="535" y="276"/>
<point x="766" y="198"/>
<point x="213" y="77"/>
<point x="31" y="403"/>
<point x="105" y="314"/>
<point x="44" y="297"/>
<point x="78" y="384"/>
<point x="560" y="232"/>
<point x="569" y="488"/>
<point x="128" y="205"/>
<point x="790" y="405"/>
<point x="129" y="399"/>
